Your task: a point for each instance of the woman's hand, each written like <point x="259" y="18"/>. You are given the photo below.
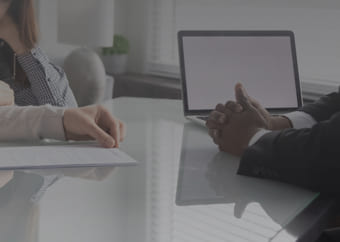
<point x="6" y="95"/>
<point x="93" y="122"/>
<point x="10" y="33"/>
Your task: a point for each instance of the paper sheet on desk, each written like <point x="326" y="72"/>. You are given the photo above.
<point x="61" y="156"/>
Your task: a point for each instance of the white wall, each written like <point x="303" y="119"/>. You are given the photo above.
<point x="137" y="31"/>
<point x="47" y="16"/>
<point x="317" y="25"/>
<point x="121" y="17"/>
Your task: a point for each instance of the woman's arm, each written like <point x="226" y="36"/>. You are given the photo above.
<point x="86" y="123"/>
<point x="49" y="83"/>
<point x="31" y="123"/>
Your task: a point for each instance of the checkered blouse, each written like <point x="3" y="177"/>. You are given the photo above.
<point x="49" y="84"/>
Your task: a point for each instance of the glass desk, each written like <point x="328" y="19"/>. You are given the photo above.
<point x="182" y="190"/>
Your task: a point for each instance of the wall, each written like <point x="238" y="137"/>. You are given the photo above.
<point x="315" y="22"/>
<point x="47" y="16"/>
<point x="137" y="31"/>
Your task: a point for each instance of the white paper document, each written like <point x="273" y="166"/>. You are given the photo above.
<point x="61" y="156"/>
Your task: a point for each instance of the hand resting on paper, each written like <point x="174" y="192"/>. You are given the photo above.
<point x="93" y="122"/>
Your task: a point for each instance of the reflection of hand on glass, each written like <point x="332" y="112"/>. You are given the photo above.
<point x="51" y="176"/>
<point x="92" y="173"/>
<point x="273" y="197"/>
<point x="97" y="174"/>
<point x="5" y="177"/>
<point x="221" y="180"/>
<point x="216" y="176"/>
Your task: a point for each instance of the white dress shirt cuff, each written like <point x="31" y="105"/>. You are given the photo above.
<point x="257" y="136"/>
<point x="300" y="120"/>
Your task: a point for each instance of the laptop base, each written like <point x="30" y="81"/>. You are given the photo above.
<point x="197" y="119"/>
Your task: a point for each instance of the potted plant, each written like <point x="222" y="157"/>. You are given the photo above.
<point x="115" y="58"/>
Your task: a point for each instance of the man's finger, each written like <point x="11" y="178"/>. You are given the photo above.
<point x="234" y="107"/>
<point x="228" y="115"/>
<point x="215" y="135"/>
<point x="210" y="124"/>
<point x="258" y="107"/>
<point x="220" y="108"/>
<point x="218" y="139"/>
<point x="217" y="117"/>
<point x="242" y="96"/>
<point x="212" y="132"/>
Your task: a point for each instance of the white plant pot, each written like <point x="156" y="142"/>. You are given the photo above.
<point x="115" y="64"/>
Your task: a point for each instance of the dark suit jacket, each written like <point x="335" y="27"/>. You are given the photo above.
<point x="306" y="157"/>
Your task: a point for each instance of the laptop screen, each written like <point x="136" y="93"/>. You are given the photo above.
<point x="265" y="65"/>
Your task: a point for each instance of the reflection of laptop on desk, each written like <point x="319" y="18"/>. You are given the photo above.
<point x="212" y="62"/>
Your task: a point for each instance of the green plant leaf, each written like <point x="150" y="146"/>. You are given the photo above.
<point x="120" y="46"/>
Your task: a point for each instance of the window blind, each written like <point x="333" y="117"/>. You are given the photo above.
<point x="315" y="24"/>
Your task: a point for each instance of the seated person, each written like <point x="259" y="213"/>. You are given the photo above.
<point x="32" y="123"/>
<point x="34" y="79"/>
<point x="300" y="148"/>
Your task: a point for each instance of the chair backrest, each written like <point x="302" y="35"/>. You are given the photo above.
<point x="86" y="75"/>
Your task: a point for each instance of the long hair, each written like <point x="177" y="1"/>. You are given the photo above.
<point x="22" y="13"/>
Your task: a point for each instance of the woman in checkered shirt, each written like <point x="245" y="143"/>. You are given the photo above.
<point x="35" y="80"/>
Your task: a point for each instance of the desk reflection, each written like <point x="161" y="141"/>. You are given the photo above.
<point x="20" y="196"/>
<point x="209" y="184"/>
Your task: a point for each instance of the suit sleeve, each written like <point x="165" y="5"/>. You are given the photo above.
<point x="31" y="123"/>
<point x="323" y="108"/>
<point x="304" y="157"/>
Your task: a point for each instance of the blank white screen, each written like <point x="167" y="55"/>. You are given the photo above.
<point x="263" y="64"/>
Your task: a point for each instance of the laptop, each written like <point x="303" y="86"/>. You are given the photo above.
<point x="212" y="62"/>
